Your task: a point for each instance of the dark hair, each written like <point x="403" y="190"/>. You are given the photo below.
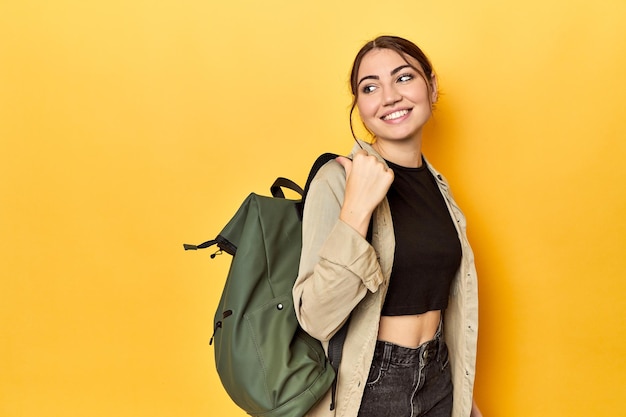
<point x="404" y="48"/>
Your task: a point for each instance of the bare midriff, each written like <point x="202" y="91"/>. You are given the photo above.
<point x="409" y="331"/>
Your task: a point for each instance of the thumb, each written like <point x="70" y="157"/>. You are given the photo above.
<point x="346" y="163"/>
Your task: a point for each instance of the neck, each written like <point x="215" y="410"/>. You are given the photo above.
<point x="406" y="153"/>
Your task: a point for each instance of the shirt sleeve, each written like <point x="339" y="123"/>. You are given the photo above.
<point x="337" y="265"/>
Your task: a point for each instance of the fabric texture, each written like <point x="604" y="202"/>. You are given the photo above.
<point x="341" y="275"/>
<point x="267" y="364"/>
<point x="408" y="382"/>
<point x="423" y="268"/>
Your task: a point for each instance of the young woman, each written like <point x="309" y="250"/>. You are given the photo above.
<point x="385" y="246"/>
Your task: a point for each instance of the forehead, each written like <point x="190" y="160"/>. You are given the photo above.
<point x="382" y="61"/>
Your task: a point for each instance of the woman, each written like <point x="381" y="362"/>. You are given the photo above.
<point x="410" y="294"/>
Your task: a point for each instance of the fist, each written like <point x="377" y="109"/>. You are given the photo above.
<point x="367" y="183"/>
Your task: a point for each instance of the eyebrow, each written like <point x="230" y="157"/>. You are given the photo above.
<point x="376" y="77"/>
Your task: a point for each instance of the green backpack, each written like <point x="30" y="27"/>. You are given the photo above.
<point x="267" y="364"/>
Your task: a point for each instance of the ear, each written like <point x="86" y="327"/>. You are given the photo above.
<point x="433" y="85"/>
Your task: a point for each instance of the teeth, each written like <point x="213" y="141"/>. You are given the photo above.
<point x="395" y="115"/>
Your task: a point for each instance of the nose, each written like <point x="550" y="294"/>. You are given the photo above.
<point x="391" y="95"/>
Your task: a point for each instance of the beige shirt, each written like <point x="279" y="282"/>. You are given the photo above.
<point x="342" y="275"/>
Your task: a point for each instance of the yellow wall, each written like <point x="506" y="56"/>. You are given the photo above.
<point x="130" y="127"/>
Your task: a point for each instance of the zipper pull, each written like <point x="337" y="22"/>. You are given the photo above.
<point x="206" y="244"/>
<point x="218" y="325"/>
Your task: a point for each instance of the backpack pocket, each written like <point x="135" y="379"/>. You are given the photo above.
<point x="290" y="358"/>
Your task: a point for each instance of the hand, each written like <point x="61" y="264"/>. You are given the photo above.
<point x="367" y="183"/>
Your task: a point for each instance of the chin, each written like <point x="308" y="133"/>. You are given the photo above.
<point x="400" y="136"/>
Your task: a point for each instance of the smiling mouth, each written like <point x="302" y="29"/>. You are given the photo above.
<point x="395" y="115"/>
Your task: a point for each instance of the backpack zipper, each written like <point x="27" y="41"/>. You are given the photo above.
<point x="218" y="325"/>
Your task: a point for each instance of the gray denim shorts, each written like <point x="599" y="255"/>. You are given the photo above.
<point x="407" y="382"/>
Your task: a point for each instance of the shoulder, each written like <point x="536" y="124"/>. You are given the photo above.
<point x="331" y="170"/>
<point x="326" y="188"/>
<point x="331" y="175"/>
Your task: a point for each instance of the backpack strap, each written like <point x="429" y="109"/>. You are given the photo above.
<point x="335" y="352"/>
<point x="319" y="162"/>
<point x="335" y="345"/>
<point x="280" y="183"/>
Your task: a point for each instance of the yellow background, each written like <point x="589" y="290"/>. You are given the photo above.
<point x="130" y="127"/>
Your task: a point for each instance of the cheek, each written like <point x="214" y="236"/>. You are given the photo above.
<point x="419" y="94"/>
<point x="367" y="107"/>
<point x="368" y="117"/>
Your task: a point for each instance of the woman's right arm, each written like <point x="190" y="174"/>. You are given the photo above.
<point x="337" y="266"/>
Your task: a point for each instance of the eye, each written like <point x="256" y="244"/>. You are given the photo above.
<point x="368" y="89"/>
<point x="405" y="78"/>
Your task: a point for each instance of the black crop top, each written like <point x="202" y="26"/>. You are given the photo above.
<point x="428" y="250"/>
